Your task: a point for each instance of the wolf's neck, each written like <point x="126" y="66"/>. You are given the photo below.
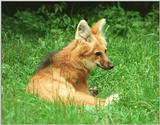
<point x="69" y="57"/>
<point x="73" y="70"/>
<point x="65" y="60"/>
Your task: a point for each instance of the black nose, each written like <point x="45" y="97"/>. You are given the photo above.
<point x="110" y="66"/>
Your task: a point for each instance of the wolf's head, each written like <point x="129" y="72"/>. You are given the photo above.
<point x="93" y="46"/>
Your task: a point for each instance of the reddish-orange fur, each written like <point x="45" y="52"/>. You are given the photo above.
<point x="66" y="79"/>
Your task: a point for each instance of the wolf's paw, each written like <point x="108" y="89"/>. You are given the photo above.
<point x="93" y="91"/>
<point x="111" y="99"/>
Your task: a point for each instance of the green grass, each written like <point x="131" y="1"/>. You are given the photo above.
<point x="133" y="51"/>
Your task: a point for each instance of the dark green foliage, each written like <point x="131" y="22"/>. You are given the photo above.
<point x="132" y="46"/>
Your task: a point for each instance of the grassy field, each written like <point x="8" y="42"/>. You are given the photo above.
<point x="133" y="48"/>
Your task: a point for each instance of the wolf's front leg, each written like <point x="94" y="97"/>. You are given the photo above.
<point x="81" y="98"/>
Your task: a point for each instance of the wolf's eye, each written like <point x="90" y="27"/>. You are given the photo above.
<point x="98" y="53"/>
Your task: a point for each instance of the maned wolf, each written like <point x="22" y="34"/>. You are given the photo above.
<point x="65" y="77"/>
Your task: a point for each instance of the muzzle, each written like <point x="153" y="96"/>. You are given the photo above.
<point x="106" y="66"/>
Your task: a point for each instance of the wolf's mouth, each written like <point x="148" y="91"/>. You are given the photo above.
<point x="101" y="66"/>
<point x="104" y="67"/>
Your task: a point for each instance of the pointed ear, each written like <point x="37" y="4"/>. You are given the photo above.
<point x="83" y="30"/>
<point x="98" y="27"/>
